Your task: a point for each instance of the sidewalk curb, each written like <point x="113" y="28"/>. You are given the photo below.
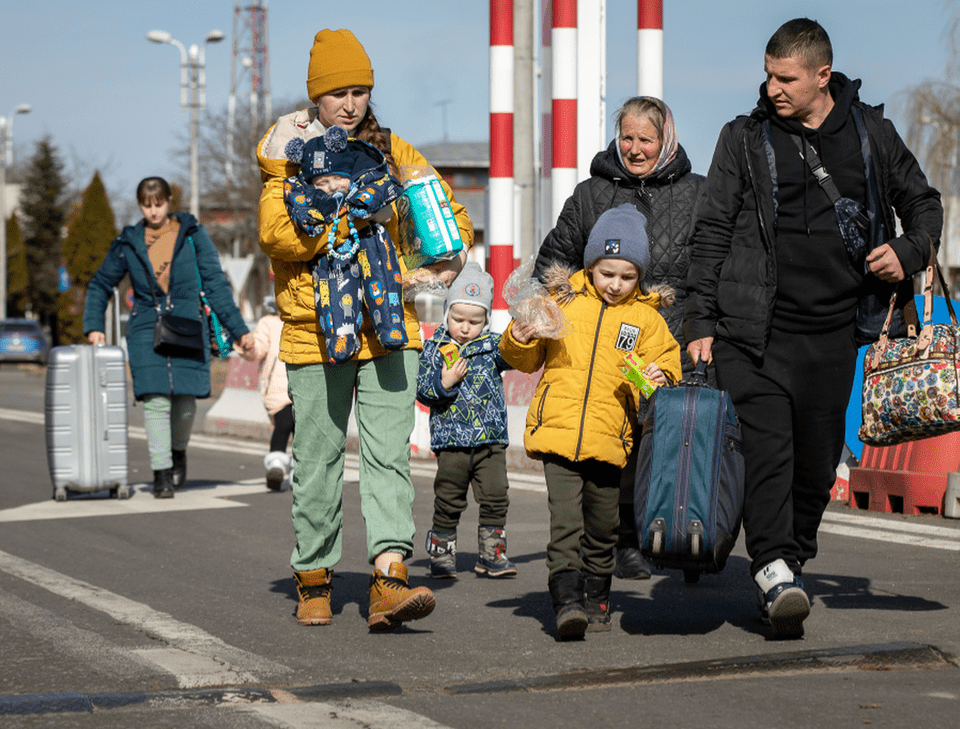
<point x="878" y="657"/>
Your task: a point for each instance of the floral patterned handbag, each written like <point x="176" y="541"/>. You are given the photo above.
<point x="911" y="385"/>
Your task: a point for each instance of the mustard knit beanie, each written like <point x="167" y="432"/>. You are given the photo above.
<point x="337" y="60"/>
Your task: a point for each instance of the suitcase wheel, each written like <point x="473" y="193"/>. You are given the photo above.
<point x="696" y="545"/>
<point x="657" y="535"/>
<point x="691" y="577"/>
<point x="60" y="494"/>
<point x="657" y="543"/>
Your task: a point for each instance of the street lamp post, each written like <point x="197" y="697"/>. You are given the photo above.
<point x="6" y="158"/>
<point x="193" y="94"/>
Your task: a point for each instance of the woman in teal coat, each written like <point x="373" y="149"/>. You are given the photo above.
<point x="163" y="254"/>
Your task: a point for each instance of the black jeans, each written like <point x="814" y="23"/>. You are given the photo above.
<point x="282" y="429"/>
<point x="792" y="409"/>
<point x="457" y="468"/>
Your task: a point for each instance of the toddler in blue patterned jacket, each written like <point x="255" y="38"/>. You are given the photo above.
<point x="460" y="381"/>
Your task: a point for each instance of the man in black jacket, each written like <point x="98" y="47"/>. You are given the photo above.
<point x="784" y="285"/>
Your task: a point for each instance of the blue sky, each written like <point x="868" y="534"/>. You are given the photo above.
<point x="110" y="99"/>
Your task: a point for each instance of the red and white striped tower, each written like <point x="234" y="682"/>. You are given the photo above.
<point x="591" y="83"/>
<point x="500" y="228"/>
<point x="650" y="48"/>
<point x="546" y="220"/>
<point x="564" y="126"/>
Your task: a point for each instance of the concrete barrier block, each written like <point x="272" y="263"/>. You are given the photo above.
<point x="239" y="410"/>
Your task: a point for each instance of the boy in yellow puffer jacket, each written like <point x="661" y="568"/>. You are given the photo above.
<point x="583" y="415"/>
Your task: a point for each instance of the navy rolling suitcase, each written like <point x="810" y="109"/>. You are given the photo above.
<point x="688" y="497"/>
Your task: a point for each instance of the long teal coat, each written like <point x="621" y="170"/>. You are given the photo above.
<point x="153" y="373"/>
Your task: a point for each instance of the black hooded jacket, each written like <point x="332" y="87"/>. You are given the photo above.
<point x="736" y="267"/>
<point x="667" y="199"/>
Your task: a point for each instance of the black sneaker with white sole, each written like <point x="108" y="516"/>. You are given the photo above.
<point x="784" y="608"/>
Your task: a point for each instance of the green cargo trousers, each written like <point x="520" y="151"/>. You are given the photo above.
<point x="382" y="391"/>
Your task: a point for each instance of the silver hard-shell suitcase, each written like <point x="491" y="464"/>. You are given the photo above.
<point x="86" y="418"/>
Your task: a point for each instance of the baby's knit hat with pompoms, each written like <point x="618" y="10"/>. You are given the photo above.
<point x="332" y="153"/>
<point x="337" y="60"/>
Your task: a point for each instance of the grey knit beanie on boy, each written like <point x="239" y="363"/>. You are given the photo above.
<point x="620" y="232"/>
<point x="472" y="286"/>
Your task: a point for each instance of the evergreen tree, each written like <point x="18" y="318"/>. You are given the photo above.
<point x="89" y="234"/>
<point x="176" y="197"/>
<point x="17" y="277"/>
<point x="44" y="214"/>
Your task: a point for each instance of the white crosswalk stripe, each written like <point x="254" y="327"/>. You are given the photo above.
<point x="194" y="656"/>
<point x="341" y="715"/>
<point x="888" y="530"/>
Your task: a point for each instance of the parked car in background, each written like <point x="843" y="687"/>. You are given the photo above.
<point x="22" y="340"/>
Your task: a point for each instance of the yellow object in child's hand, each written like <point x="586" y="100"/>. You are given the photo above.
<point x="633" y="370"/>
<point x="451" y="353"/>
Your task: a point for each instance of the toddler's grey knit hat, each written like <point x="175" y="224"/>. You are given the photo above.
<point x="620" y="232"/>
<point x="472" y="286"/>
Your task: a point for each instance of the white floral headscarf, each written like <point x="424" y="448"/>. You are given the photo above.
<point x="668" y="136"/>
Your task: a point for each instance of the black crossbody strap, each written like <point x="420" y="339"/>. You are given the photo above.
<point x="815" y="164"/>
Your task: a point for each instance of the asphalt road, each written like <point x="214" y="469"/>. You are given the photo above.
<point x="147" y="613"/>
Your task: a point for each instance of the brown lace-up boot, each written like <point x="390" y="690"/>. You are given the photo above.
<point x="392" y="601"/>
<point x="313" y="589"/>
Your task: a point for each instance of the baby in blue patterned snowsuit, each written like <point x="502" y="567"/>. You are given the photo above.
<point x="344" y="178"/>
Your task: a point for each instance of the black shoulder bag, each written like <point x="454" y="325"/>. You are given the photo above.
<point x="174" y="336"/>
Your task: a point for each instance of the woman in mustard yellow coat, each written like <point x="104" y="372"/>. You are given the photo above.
<point x="380" y="384"/>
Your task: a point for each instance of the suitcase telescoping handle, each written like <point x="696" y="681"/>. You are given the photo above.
<point x="116" y="319"/>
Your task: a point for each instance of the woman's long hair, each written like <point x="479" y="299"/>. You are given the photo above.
<point x="370" y="131"/>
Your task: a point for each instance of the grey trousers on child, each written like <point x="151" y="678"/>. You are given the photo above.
<point x="584" y="515"/>
<point x="485" y="467"/>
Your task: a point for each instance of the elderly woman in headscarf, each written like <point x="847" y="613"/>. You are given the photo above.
<point x="644" y="166"/>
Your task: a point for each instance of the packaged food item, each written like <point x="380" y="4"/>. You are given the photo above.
<point x="451" y="353"/>
<point x="530" y="304"/>
<point x="428" y="227"/>
<point x="633" y="370"/>
<point x="418" y="281"/>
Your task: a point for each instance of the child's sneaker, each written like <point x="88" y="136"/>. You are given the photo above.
<point x="783" y="603"/>
<point x="492" y="553"/>
<point x="442" y="549"/>
<point x="277" y="464"/>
